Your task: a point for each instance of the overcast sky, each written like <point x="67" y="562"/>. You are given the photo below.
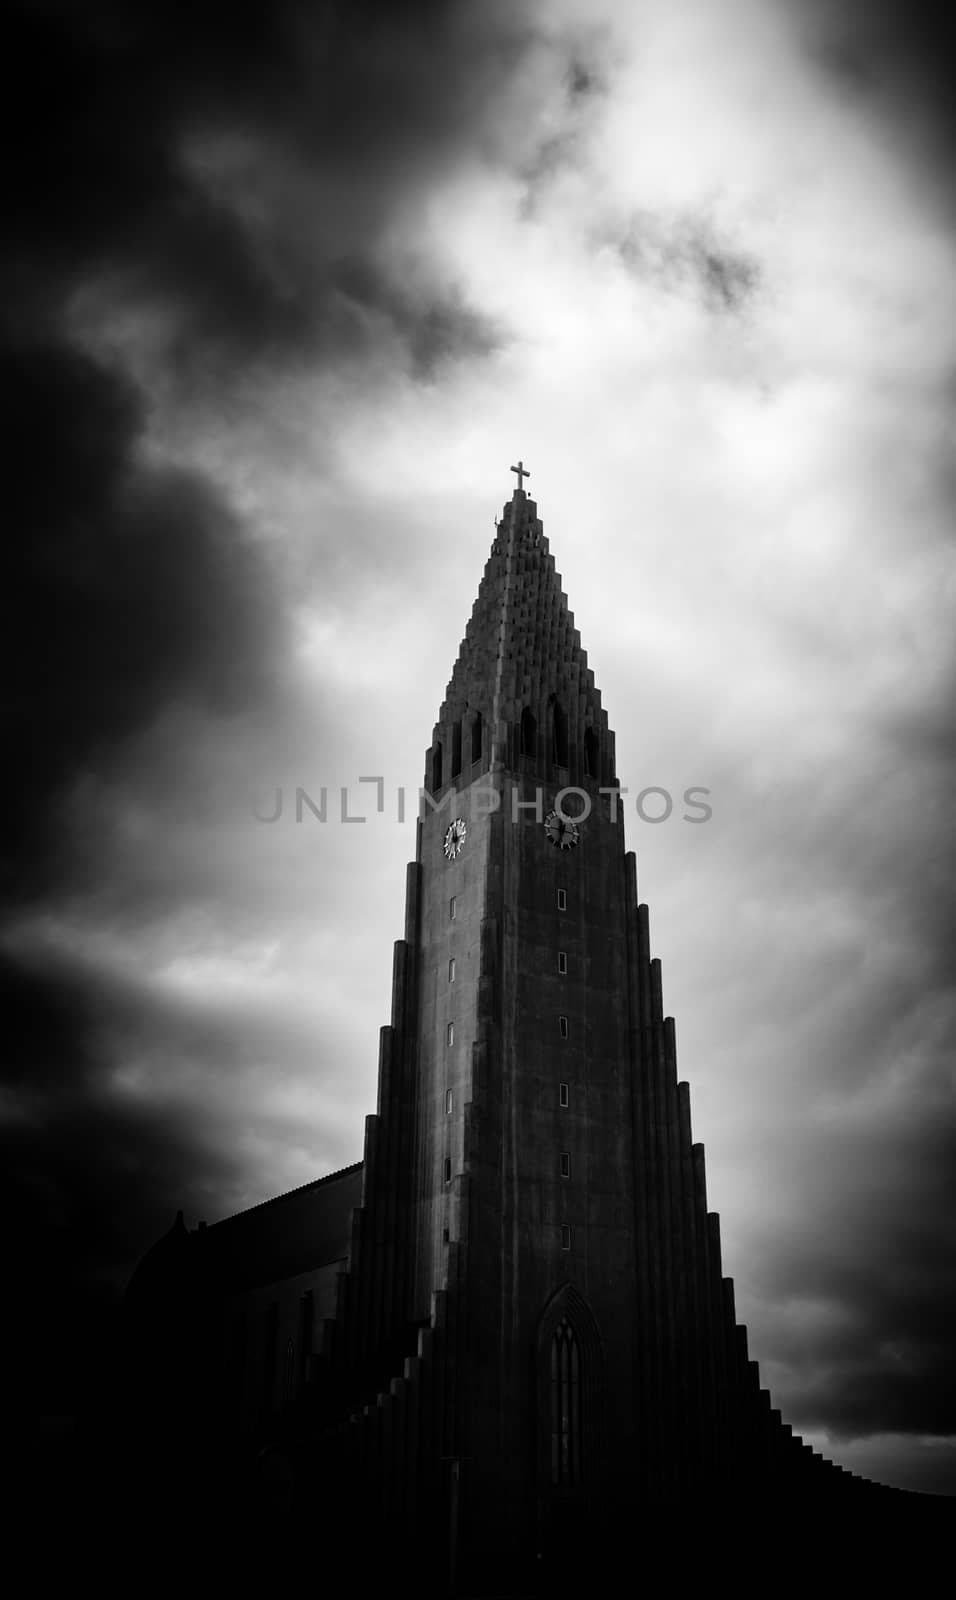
<point x="291" y="288"/>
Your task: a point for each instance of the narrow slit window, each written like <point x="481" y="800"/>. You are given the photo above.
<point x="449" y="1102"/>
<point x="451" y="908"/>
<point x="565" y="1163"/>
<point x="450" y="1033"/>
<point x="563" y="1095"/>
<point x="562" y="1027"/>
<point x="563" y="962"/>
<point x="562" y="899"/>
<point x="456" y="749"/>
<point x="565" y="1236"/>
<point x="446" y="1169"/>
<point x="451" y="969"/>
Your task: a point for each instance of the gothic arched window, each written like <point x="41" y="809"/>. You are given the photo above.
<point x="529" y="732"/>
<point x="565" y="1407"/>
<point x="559" y="734"/>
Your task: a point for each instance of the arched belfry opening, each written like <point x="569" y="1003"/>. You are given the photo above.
<point x="476" y="735"/>
<point x="559" y="734"/>
<point x="527" y="733"/>
<point x="592" y="754"/>
<point x="570" y="1397"/>
<point x="436" y="766"/>
<point x="456" y="749"/>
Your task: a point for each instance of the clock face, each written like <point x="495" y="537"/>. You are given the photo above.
<point x="455" y="836"/>
<point x="561" y="831"/>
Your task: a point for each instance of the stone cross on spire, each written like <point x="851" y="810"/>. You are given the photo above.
<point x="522" y="472"/>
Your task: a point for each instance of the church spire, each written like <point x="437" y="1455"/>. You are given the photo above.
<point x="521" y="697"/>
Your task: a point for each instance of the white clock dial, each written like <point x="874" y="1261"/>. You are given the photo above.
<point x="561" y="831"/>
<point x="455" y="836"/>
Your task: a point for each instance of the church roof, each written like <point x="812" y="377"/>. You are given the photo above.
<point x="291" y="1233"/>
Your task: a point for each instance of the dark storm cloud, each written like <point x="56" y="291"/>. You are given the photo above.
<point x="228" y="176"/>
<point x="581" y="88"/>
<point x="848" y="1255"/>
<point x="864" y="1331"/>
<point x="687" y="254"/>
<point x="219" y="181"/>
<point x="128" y="586"/>
<point x="876" y="43"/>
<point x="88" y="1178"/>
<point x="131" y="584"/>
<point x="433" y="330"/>
<point x="584" y="79"/>
<point x="900" y="57"/>
<point x="122" y="1104"/>
<point x="355" y="101"/>
<point x="111" y="1172"/>
<point x="726" y="279"/>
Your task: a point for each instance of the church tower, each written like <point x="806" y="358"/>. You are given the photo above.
<point x="525" y="1153"/>
<point x="534" y="1210"/>
<point x="502" y="1343"/>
